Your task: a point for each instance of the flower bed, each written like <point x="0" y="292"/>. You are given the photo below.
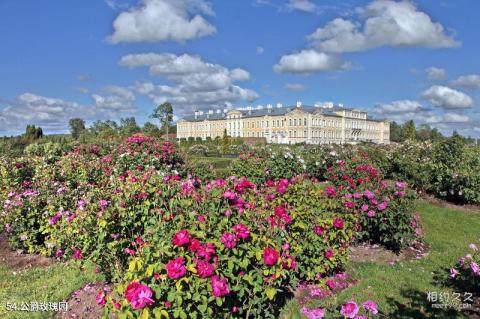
<point x="179" y="246"/>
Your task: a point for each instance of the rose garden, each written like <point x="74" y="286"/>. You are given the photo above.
<point x="163" y="234"/>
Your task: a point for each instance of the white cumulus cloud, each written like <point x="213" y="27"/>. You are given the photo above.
<point x="447" y="98"/>
<point x="387" y="23"/>
<point x="471" y="81"/>
<point x="160" y="20"/>
<point x="434" y="73"/>
<point x="53" y="114"/>
<point x="309" y="61"/>
<point x="301" y="5"/>
<point x="195" y="83"/>
<point x="401" y="106"/>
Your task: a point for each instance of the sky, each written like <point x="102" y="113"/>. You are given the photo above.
<point x="111" y="59"/>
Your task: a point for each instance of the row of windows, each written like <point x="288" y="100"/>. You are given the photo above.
<point x="281" y="123"/>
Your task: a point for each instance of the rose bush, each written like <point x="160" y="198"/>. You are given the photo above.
<point x="182" y="246"/>
<point x="231" y="248"/>
<point x="385" y="211"/>
<point x="465" y="275"/>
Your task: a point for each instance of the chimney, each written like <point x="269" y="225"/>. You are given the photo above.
<point x="210" y="111"/>
<point x="196" y="114"/>
<point x="219" y="111"/>
<point x="299" y="103"/>
<point x="279" y="105"/>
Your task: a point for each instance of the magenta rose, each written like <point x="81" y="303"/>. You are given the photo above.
<point x="204" y="269"/>
<point x="350" y="309"/>
<point x="331" y="191"/>
<point x="100" y="299"/>
<point x="206" y="251"/>
<point x="270" y="256"/>
<point x="219" y="286"/>
<point x="228" y="240"/>
<point x="181" y="238"/>
<point x="328" y="253"/>
<point x="370" y="306"/>
<point x="318" y="230"/>
<point x="331" y="284"/>
<point x="338" y="223"/>
<point x="241" y="230"/>
<point x="369" y="195"/>
<point x="176" y="268"/>
<point x="139" y="295"/>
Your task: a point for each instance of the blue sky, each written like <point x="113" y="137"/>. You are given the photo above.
<point x="98" y="59"/>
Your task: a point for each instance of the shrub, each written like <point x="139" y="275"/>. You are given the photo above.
<point x="465" y="275"/>
<point x="237" y="252"/>
<point x="385" y="211"/>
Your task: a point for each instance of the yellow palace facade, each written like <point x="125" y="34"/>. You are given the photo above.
<point x="287" y="125"/>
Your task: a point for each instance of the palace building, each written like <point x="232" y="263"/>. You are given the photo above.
<point x="326" y="124"/>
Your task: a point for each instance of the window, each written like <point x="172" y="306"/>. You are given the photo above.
<point x="295" y="122"/>
<point x="290" y="122"/>
<point x="305" y="122"/>
<point x="305" y="134"/>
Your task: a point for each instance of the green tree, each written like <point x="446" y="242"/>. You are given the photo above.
<point x="164" y="114"/>
<point x="395" y="132"/>
<point x="151" y="129"/>
<point x="77" y="127"/>
<point x="128" y="126"/>
<point x="33" y="132"/>
<point x="409" y="131"/>
<point x="105" y="129"/>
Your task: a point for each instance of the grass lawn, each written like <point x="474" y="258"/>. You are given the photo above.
<point x="54" y="283"/>
<point x="401" y="290"/>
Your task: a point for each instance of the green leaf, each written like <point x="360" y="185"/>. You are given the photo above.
<point x="145" y="314"/>
<point x="270" y="292"/>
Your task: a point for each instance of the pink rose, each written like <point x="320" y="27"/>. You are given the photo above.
<point x="453" y="272"/>
<point x="229" y="195"/>
<point x="328" y="253"/>
<point x="338" y="223"/>
<point x="350" y="309"/>
<point x="181" y="238"/>
<point x="270" y="256"/>
<point x="228" y="240"/>
<point x="331" y="191"/>
<point x="318" y="230"/>
<point x="241" y="230"/>
<point x="206" y="251"/>
<point x="204" y="269"/>
<point x="139" y="295"/>
<point x="100" y="299"/>
<point x="219" y="286"/>
<point x="176" y="268"/>
<point x="370" y="306"/>
<point x="330" y="284"/>
<point x="400" y="185"/>
<point x="77" y="254"/>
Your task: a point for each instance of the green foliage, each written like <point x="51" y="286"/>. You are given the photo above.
<point x="33" y="132"/>
<point x="77" y="127"/>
